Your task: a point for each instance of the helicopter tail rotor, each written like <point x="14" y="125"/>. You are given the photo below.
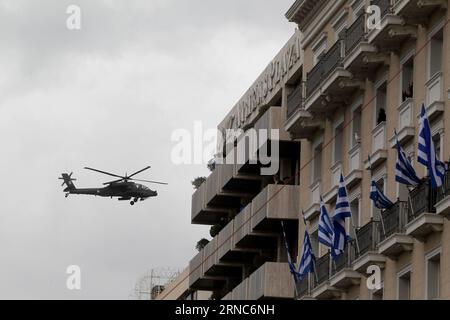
<point x="68" y="181"/>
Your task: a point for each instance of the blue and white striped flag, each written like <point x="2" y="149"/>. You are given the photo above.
<point x="427" y="153"/>
<point x="292" y="266"/>
<point x="307" y="260"/>
<point x="379" y="199"/>
<point x="341" y="212"/>
<point x="326" y="233"/>
<point x="404" y="171"/>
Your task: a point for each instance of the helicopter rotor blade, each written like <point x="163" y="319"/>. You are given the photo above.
<point x="150" y="181"/>
<point x="104" y="172"/>
<point x="146" y="168"/>
<point x="111" y="182"/>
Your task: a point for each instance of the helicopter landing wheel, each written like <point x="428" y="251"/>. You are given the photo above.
<point x="132" y="203"/>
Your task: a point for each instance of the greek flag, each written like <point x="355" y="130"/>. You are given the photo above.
<point x="341" y="212"/>
<point x="404" y="171"/>
<point x="292" y="267"/>
<point x="427" y="153"/>
<point x="307" y="260"/>
<point x="325" y="227"/>
<point x="379" y="199"/>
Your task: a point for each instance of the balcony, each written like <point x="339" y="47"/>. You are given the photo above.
<point x="241" y="291"/>
<point x="197" y="278"/>
<point x="379" y="152"/>
<point x="422" y="218"/>
<point x="221" y="193"/>
<point x="435" y="100"/>
<point x="284" y="204"/>
<point x="443" y="198"/>
<point x="272" y="280"/>
<point x="302" y="288"/>
<point x="342" y="274"/>
<point x="392" y="31"/>
<point x="367" y="239"/>
<point x="295" y="100"/>
<point x="417" y="11"/>
<point x="201" y="213"/>
<point x="322" y="288"/>
<point x="359" y="53"/>
<point x="326" y="84"/>
<point x="355" y="175"/>
<point x="406" y="129"/>
<point x="393" y="239"/>
<point x="266" y="137"/>
<point x="304" y="125"/>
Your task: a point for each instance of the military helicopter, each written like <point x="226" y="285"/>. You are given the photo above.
<point x="124" y="188"/>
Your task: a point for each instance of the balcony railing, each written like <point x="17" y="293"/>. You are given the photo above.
<point x="384" y="5"/>
<point x="324" y="67"/>
<point x="405" y="114"/>
<point x="295" y="100"/>
<point x="355" y="157"/>
<point x="314" y="77"/>
<point x="379" y="137"/>
<point x="271" y="280"/>
<point x="423" y="199"/>
<point x="332" y="59"/>
<point x="394" y="220"/>
<point x="284" y="206"/>
<point x="445" y="190"/>
<point x="355" y="34"/>
<point x="241" y="291"/>
<point x="345" y="260"/>
<point x="303" y="287"/>
<point x="367" y="238"/>
<point x="322" y="269"/>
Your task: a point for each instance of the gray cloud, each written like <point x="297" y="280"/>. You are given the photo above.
<point x="109" y="96"/>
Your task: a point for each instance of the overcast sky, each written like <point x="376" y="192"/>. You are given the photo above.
<point x="109" y="96"/>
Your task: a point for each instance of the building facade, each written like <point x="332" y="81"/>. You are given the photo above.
<point x="354" y="72"/>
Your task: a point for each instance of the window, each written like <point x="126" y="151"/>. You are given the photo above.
<point x="407" y="79"/>
<point x="319" y="49"/>
<point x="433" y="271"/>
<point x="381" y="102"/>
<point x="338" y="143"/>
<point x="404" y="285"/>
<point x="436" y="49"/>
<point x="317" y="164"/>
<point x="356" y="127"/>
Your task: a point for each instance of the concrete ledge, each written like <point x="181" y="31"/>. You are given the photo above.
<point x="371" y="258"/>
<point x="394" y="245"/>
<point x="345" y="278"/>
<point x="425" y="224"/>
<point x="443" y="207"/>
<point x="325" y="291"/>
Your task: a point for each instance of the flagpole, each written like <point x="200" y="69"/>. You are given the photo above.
<point x="288" y="254"/>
